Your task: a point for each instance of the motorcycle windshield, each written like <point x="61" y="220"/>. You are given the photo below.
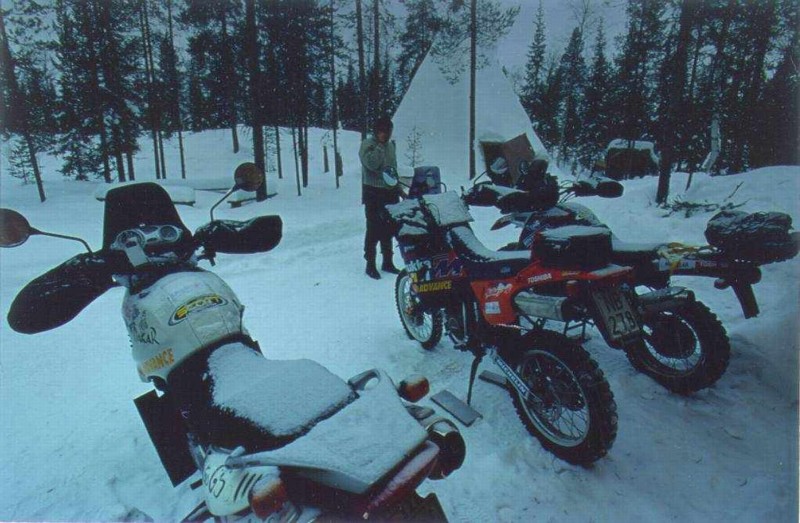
<point x="136" y="205"/>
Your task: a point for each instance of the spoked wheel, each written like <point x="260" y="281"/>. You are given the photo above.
<point x="571" y="409"/>
<point x="685" y="350"/>
<point x="425" y="326"/>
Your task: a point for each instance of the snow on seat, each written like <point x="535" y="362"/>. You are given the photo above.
<point x="358" y="446"/>
<point x="283" y="398"/>
<point x="623" y="252"/>
<point x="482" y="262"/>
<point x="447" y="209"/>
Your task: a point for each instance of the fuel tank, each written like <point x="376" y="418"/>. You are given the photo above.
<point x="177" y="316"/>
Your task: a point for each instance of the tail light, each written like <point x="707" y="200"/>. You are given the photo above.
<point x="414" y="388"/>
<point x="268" y="496"/>
<point x="573" y="288"/>
<point x="405" y="480"/>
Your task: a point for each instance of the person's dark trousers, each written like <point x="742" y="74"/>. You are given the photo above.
<point x="378" y="228"/>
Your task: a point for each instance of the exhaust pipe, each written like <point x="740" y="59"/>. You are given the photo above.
<point x="668" y="298"/>
<point x="452" y="448"/>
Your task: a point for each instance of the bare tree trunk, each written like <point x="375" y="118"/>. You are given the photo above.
<point x="361" y="72"/>
<point x="677" y="87"/>
<point x="178" y="94"/>
<point x="278" y="151"/>
<point x="227" y="60"/>
<point x="118" y="154"/>
<point x="473" y="30"/>
<point x="149" y="77"/>
<point x="104" y="151"/>
<point x="296" y="164"/>
<point x="303" y="148"/>
<point x="375" y="75"/>
<point x="334" y="109"/>
<point x="265" y="132"/>
<point x="129" y="158"/>
<point x="251" y="52"/>
<point x="21" y="103"/>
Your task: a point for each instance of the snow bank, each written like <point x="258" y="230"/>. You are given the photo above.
<point x="74" y="448"/>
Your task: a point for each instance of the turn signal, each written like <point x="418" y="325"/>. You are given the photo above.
<point x="414" y="388"/>
<point x="268" y="496"/>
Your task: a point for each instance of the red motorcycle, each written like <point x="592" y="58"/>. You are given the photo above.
<point x="491" y="302"/>
<point x="685" y="346"/>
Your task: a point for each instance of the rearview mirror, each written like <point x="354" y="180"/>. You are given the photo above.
<point x="248" y="177"/>
<point x="14" y="228"/>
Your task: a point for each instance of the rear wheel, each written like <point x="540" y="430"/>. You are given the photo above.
<point x="425" y="326"/>
<point x="685" y="350"/>
<point x="571" y="409"/>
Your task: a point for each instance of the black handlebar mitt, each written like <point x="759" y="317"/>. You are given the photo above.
<point x="260" y="234"/>
<point x="60" y="294"/>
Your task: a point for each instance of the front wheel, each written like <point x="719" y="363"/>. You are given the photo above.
<point x="422" y="325"/>
<point x="685" y="349"/>
<point x="571" y="409"/>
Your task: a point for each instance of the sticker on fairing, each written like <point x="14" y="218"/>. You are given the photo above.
<point x="492" y="307"/>
<point x="196" y="305"/>
<point x="497" y="290"/>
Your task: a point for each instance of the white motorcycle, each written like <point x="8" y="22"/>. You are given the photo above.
<point x="272" y="440"/>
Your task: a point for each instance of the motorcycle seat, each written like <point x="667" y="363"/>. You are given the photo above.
<point x="235" y="396"/>
<point x="482" y="262"/>
<point x="625" y="253"/>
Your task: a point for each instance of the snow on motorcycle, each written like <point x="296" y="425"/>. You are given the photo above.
<point x="270" y="440"/>
<point x="483" y="300"/>
<point x="686" y="347"/>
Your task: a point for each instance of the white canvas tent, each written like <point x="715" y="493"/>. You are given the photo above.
<point x="437" y="111"/>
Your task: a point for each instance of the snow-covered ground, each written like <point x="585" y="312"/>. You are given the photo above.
<point x="72" y="446"/>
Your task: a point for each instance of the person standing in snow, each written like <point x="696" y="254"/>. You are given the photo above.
<point x="377" y="156"/>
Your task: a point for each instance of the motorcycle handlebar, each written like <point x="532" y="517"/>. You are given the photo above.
<point x="260" y="234"/>
<point x="598" y="186"/>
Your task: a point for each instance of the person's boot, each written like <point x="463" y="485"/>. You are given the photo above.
<point x="371" y="271"/>
<point x="388" y="266"/>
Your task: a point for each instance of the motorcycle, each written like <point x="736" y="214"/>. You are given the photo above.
<point x="272" y="440"/>
<point x="686" y="348"/>
<point x="487" y="302"/>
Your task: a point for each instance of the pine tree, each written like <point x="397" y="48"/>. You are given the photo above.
<point x="776" y="137"/>
<point x="573" y="76"/>
<point x="637" y="69"/>
<point x="673" y="89"/>
<point x="422" y="23"/>
<point x="214" y="47"/>
<point x="547" y="106"/>
<point x="598" y="114"/>
<point x="27" y="35"/>
<point x="534" y="67"/>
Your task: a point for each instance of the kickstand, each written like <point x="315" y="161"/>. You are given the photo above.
<point x="473" y="371"/>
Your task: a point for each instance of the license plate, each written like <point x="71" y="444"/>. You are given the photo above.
<point x="616" y="313"/>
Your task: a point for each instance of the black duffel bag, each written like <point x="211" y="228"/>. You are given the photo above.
<point x="761" y="237"/>
<point x="577" y="247"/>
